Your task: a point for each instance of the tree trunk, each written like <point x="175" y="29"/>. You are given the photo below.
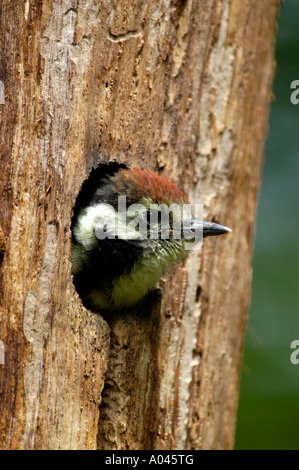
<point x="179" y="86"/>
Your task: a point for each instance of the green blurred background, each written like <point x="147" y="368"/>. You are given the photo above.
<point x="268" y="416"/>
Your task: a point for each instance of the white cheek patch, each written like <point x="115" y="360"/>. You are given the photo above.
<point x="88" y="220"/>
<point x="103" y="221"/>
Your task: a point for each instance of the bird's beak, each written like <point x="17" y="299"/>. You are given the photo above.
<point x="209" y="229"/>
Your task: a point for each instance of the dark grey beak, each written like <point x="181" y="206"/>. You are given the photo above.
<point x="209" y="229"/>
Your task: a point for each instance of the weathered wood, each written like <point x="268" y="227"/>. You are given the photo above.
<point x="182" y="87"/>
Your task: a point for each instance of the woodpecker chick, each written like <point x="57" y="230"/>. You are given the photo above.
<point x="121" y="243"/>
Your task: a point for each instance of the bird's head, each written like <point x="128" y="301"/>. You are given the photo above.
<point x="140" y="224"/>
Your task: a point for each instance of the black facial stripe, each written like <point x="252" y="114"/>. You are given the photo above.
<point x="105" y="263"/>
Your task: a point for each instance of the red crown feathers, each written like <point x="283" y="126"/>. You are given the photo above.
<point x="138" y="183"/>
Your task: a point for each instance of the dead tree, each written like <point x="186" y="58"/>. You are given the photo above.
<point x="179" y="86"/>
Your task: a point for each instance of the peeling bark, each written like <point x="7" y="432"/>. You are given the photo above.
<point x="182" y="87"/>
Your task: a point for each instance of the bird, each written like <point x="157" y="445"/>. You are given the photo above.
<point x="128" y="230"/>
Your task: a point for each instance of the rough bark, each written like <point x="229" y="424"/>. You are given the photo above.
<point x="182" y="87"/>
